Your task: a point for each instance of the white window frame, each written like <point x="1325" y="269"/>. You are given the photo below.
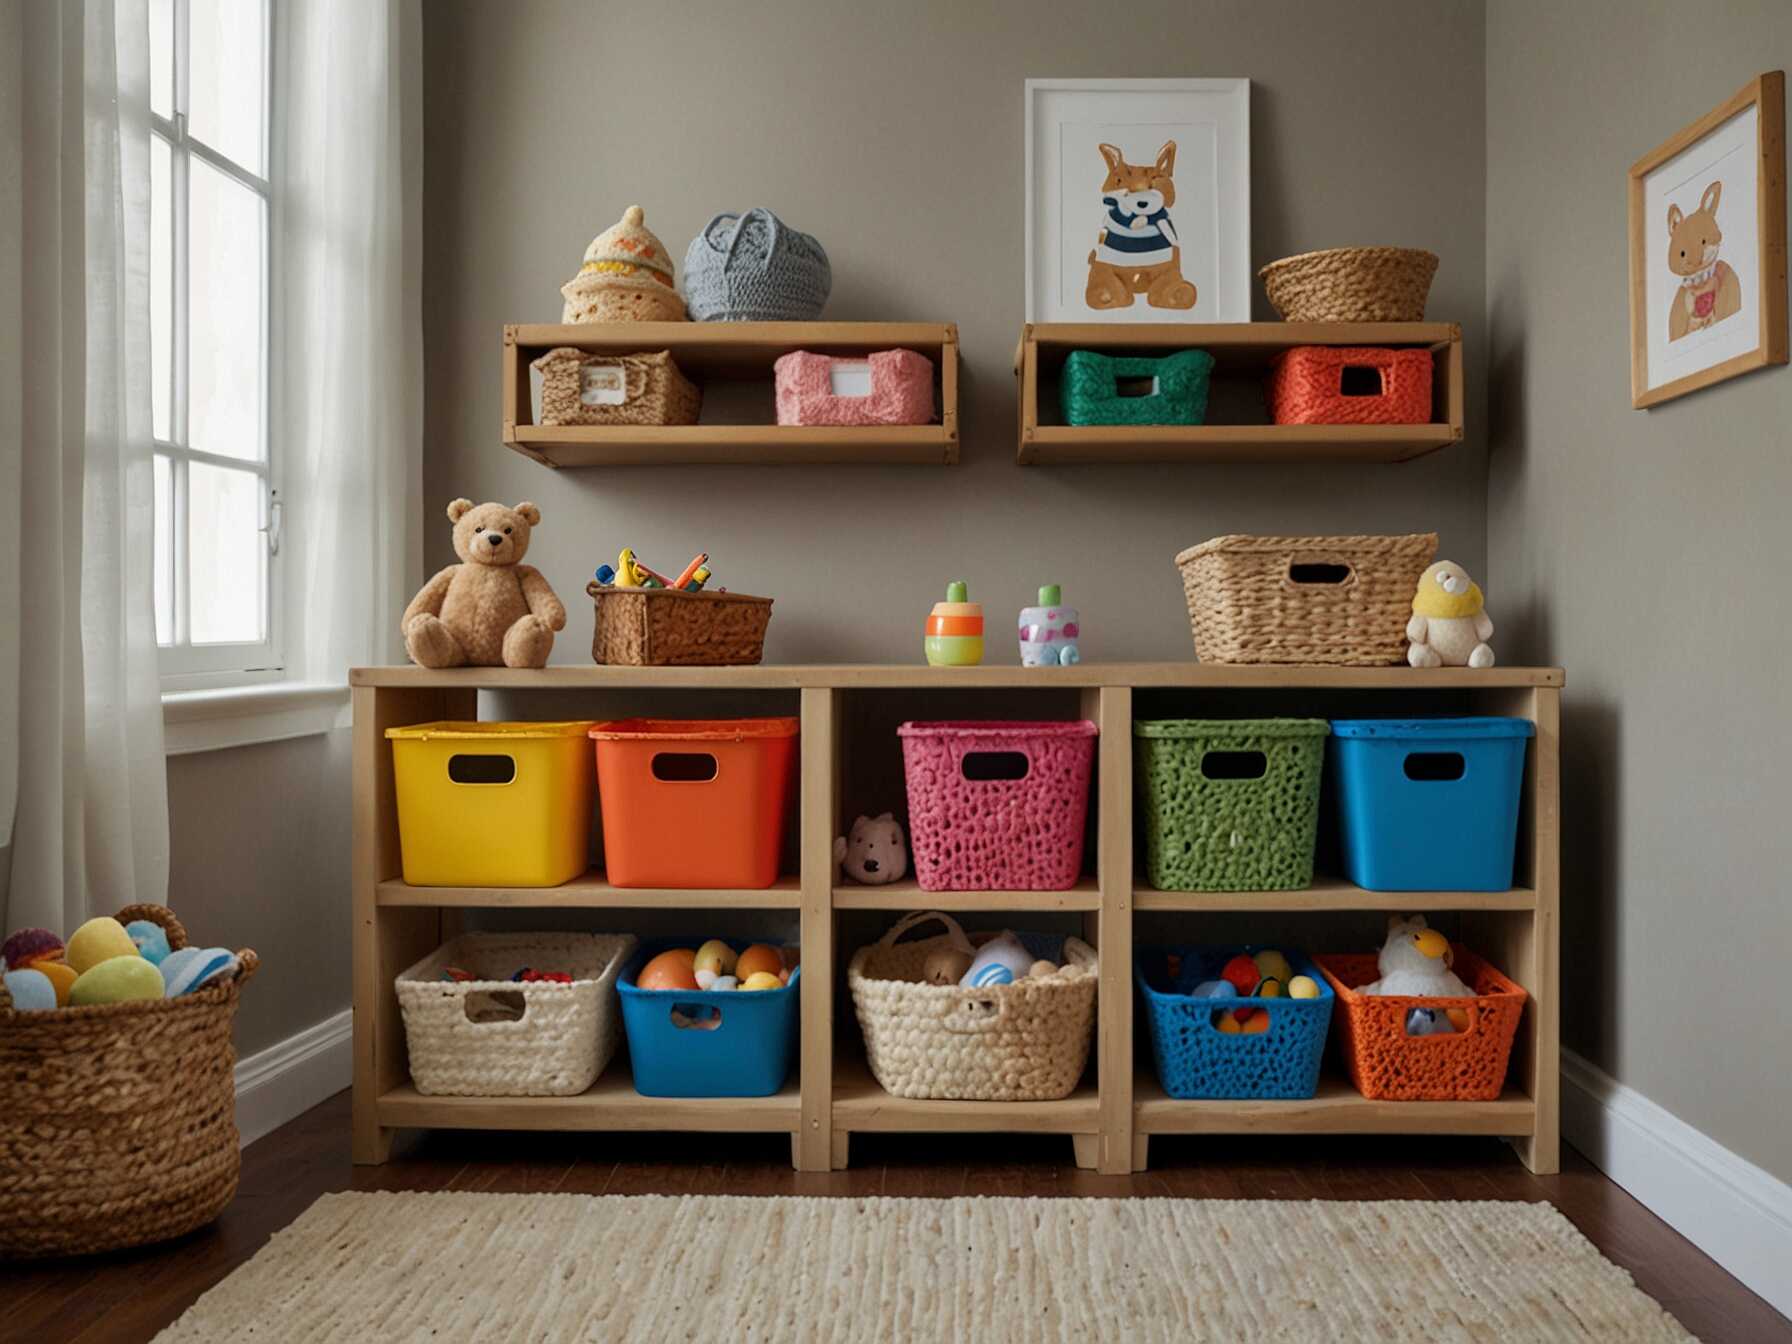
<point x="186" y="666"/>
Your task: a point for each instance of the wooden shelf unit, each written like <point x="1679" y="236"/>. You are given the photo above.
<point x="831" y="1095"/>
<point x="708" y="352"/>
<point x="1241" y="350"/>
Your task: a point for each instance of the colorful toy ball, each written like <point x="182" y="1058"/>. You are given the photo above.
<point x="61" y="975"/>
<point x="671" y="969"/>
<point x="1272" y="965"/>
<point x="31" y="990"/>
<point x="1242" y="972"/>
<point x="1214" y="989"/>
<point x="29" y="945"/>
<point x="125" y="979"/>
<point x="193" y="968"/>
<point x="1303" y="987"/>
<point x="151" y="939"/>
<point x="1226" y="1024"/>
<point x="1256" y="1024"/>
<point x="761" y="980"/>
<point x="98" y="940"/>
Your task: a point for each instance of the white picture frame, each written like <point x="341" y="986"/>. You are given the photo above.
<point x="1080" y="266"/>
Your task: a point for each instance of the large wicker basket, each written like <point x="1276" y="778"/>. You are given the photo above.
<point x="1351" y="284"/>
<point x="579" y="387"/>
<point x="119" y="1122"/>
<point x="1028" y="1041"/>
<point x="663" y="627"/>
<point x="1337" y="601"/>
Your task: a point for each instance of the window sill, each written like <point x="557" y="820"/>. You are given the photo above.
<point x="241" y="716"/>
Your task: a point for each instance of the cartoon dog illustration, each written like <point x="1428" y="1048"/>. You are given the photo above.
<point x="1709" y="290"/>
<point x="1137" y="251"/>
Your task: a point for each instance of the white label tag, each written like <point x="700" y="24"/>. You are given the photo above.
<point x="850" y="378"/>
<point x="603" y="385"/>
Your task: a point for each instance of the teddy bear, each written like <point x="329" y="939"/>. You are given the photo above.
<point x="1449" y="626"/>
<point x="873" y="852"/>
<point x="491" y="610"/>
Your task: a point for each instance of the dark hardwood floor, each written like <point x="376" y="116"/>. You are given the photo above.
<point x="129" y="1296"/>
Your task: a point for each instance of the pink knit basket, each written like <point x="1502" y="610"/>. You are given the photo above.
<point x="901" y="389"/>
<point x="974" y="833"/>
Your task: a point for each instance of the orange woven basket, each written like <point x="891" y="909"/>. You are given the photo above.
<point x="1388" y="1065"/>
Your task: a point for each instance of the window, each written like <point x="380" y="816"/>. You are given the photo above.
<point x="217" y="505"/>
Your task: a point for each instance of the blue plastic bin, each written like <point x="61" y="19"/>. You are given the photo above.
<point x="1197" y="1061"/>
<point x="1429" y="804"/>
<point x="747" y="1055"/>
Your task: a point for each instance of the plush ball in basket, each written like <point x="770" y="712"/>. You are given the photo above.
<point x="626" y="277"/>
<point x="1351" y="284"/>
<point x="754" y="268"/>
<point x="119" y="1124"/>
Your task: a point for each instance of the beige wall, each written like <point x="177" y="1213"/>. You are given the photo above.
<point x="894" y="134"/>
<point x="1643" y="550"/>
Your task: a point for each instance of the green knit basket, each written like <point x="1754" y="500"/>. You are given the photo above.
<point x="1207" y="833"/>
<point x="1089" y="388"/>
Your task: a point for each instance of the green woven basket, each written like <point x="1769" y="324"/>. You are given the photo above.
<point x="1089" y="389"/>
<point x="1229" y="804"/>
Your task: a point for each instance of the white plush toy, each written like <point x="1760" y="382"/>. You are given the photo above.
<point x="1449" y="625"/>
<point x="1416" y="960"/>
<point x="873" y="853"/>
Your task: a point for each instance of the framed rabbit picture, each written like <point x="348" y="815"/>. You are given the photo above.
<point x="1708" y="248"/>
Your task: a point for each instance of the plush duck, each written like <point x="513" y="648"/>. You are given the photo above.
<point x="1449" y="625"/>
<point x="1416" y="960"/>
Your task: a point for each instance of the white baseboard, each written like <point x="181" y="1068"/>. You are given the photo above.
<point x="287" y="1079"/>
<point x="1738" y="1214"/>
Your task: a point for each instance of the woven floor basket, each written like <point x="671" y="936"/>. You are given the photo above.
<point x="659" y="627"/>
<point x="1351" y="284"/>
<point x="118" y="1126"/>
<point x="1027" y="1041"/>
<point x="653" y="389"/>
<point x="1282" y="599"/>
<point x="463" y="1040"/>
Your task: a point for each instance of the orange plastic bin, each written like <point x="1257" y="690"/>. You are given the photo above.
<point x="694" y="802"/>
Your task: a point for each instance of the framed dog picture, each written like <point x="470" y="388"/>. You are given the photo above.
<point x="1708" y="248"/>
<point x="1138" y="200"/>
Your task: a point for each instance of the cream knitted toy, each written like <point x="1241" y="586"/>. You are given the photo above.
<point x="1449" y="625"/>
<point x="626" y="277"/>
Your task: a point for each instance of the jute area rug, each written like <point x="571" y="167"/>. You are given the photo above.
<point x="470" y="1267"/>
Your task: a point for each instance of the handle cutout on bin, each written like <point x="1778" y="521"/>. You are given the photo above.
<point x="495" y="1005"/>
<point x="1435" y="766"/>
<point x="1234" y="764"/>
<point x="1361" y="380"/>
<point x="1136" y="387"/>
<point x="684" y="767"/>
<point x="1308" y="571"/>
<point x="696" y="1016"/>
<point x="484" y="769"/>
<point x="985" y="767"/>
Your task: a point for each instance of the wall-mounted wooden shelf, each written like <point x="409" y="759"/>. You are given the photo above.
<point x="1243" y="353"/>
<point x="735" y="352"/>
<point x="831" y="1096"/>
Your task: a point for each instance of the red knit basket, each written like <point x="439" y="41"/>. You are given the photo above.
<point x="1306" y="386"/>
<point x="1388" y="1065"/>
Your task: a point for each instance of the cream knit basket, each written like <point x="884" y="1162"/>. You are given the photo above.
<point x="465" y="1039"/>
<point x="1027" y="1041"/>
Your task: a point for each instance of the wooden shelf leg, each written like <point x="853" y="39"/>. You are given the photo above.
<point x="1111" y="708"/>
<point x="1088" y="1150"/>
<point x="842" y="1145"/>
<point x="1141" y="1152"/>
<point x="814" y="1147"/>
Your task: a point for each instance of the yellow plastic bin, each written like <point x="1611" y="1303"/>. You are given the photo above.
<point x="493" y="804"/>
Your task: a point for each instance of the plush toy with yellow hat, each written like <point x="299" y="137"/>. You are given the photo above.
<point x="1450" y="626"/>
<point x="627" y="277"/>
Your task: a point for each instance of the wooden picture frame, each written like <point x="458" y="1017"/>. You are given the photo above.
<point x="1708" y="285"/>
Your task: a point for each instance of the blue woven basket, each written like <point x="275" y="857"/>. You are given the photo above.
<point x="1196" y="1061"/>
<point x="754" y="268"/>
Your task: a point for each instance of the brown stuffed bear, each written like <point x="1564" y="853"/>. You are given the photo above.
<point x="491" y="611"/>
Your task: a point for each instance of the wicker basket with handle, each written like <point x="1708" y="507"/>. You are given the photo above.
<point x="579" y="387"/>
<point x="119" y="1125"/>
<point x="1027" y="1041"/>
<point x="1351" y="284"/>
<point x="1336" y="601"/>
<point x="665" y="627"/>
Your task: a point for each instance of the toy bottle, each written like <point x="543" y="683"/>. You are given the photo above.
<point x="1049" y="631"/>
<point x="954" y="636"/>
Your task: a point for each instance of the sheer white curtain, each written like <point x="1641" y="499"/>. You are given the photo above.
<point x="350" y="397"/>
<point x="83" y="787"/>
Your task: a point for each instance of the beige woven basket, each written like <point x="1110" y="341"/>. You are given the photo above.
<point x="118" y="1126"/>
<point x="495" y="1037"/>
<point x="1028" y="1041"/>
<point x="661" y="627"/>
<point x="579" y="387"/>
<point x="1351" y="284"/>
<point x="1336" y="601"/>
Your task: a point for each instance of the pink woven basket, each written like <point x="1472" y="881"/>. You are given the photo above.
<point x="980" y="820"/>
<point x="901" y="391"/>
